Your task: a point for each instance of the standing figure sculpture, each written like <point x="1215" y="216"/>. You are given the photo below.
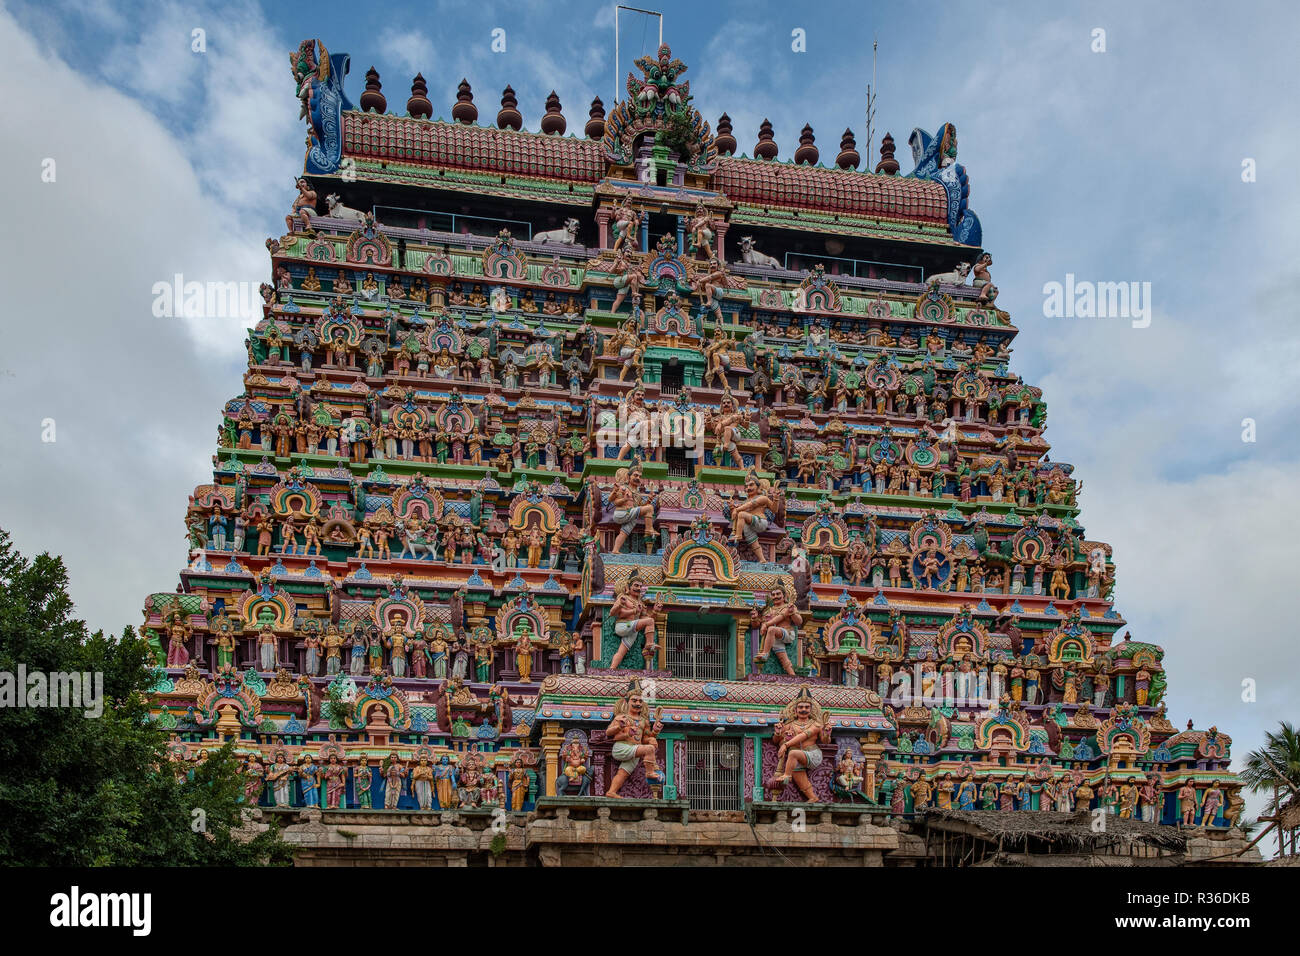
<point x="707" y="286"/>
<point x="628" y="277"/>
<point x="179" y="633"/>
<point x="628" y="506"/>
<point x="630" y="618"/>
<point x="780" y="630"/>
<point x="802" y="730"/>
<point x="253" y="782"/>
<point x="309" y="778"/>
<point x="625" y="224"/>
<point x="519" y="781"/>
<point x="267" y="648"/>
<point x="422" y="783"/>
<point x="280" y="776"/>
<point x="335" y="774"/>
<point x="1187" y="803"/>
<point x="728" y="420"/>
<point x="702" y="227"/>
<point x="394" y="774"/>
<point x="445" y="782"/>
<point x="761" y="507"/>
<point x="633" y="733"/>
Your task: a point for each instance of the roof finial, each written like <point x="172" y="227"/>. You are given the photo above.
<point x="509" y="116"/>
<point x="372" y="98"/>
<point x="807" y="152"/>
<point x="418" y="105"/>
<point x="554" y="121"/>
<point x="464" y="111"/>
<point x="595" y="127"/>
<point x="766" y="147"/>
<point x="724" y="141"/>
<point x="848" y="157"/>
<point x="888" y="166"/>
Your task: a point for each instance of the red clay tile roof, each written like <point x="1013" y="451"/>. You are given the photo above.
<point x="569" y="159"/>
<point x="767" y="183"/>
<point x="479" y="148"/>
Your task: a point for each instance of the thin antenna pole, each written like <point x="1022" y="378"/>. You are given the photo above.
<point x="871" y="102"/>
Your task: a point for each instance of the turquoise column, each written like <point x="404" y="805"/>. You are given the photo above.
<point x="670" y="754"/>
<point x="756" y="792"/>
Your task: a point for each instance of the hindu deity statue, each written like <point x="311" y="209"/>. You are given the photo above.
<point x="304" y="207"/>
<point x="268" y="647"/>
<point x="335" y="775"/>
<point x="800" y="734"/>
<point x="523" y="647"/>
<point x="445" y="781"/>
<point x="253" y="779"/>
<point x="707" y="284"/>
<point x="629" y="506"/>
<point x="624" y="225"/>
<point x="1187" y="803"/>
<point x="628" y="277"/>
<point x="422" y="783"/>
<point x="575" y="774"/>
<point x="633" y="732"/>
<point x="394" y="774"/>
<point x="309" y="779"/>
<point x="362" y="781"/>
<point x="780" y="625"/>
<point x="848" y="773"/>
<point x="280" y="776"/>
<point x="760" y="508"/>
<point x="726" y="424"/>
<point x="179" y="633"/>
<point x="702" y="227"/>
<point x="631" y="618"/>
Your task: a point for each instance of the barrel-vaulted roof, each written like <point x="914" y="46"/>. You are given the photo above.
<point x="485" y="149"/>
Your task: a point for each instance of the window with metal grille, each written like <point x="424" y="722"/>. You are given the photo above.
<point x="696" y="650"/>
<point x="671" y="378"/>
<point x="713" y="773"/>
<point x="679" y="466"/>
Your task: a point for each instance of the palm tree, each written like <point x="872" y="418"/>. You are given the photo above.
<point x="1276" y="768"/>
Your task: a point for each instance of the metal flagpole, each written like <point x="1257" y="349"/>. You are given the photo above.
<point x="649" y="13"/>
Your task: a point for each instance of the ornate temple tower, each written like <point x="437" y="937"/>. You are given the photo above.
<point x="617" y="466"/>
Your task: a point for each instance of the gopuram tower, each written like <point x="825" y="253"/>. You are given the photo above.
<point x="612" y="475"/>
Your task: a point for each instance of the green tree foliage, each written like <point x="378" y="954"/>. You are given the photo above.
<point x="90" y="791"/>
<point x="1277" y="763"/>
<point x="1274" y="769"/>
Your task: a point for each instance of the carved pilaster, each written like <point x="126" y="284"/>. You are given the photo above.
<point x="602" y="224"/>
<point x="661" y="633"/>
<point x="552" y="738"/>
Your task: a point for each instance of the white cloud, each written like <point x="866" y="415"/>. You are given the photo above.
<point x="135" y="399"/>
<point x="410" y="49"/>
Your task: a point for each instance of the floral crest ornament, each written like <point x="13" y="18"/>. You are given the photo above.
<point x="659" y="103"/>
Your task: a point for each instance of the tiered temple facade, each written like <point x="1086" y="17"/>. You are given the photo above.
<point x="568" y="466"/>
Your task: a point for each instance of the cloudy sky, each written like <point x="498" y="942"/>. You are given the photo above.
<point x="1122" y="164"/>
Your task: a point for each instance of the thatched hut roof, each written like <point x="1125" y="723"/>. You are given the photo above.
<point x="1069" y="832"/>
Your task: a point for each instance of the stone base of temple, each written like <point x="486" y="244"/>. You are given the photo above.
<point x="598" y="831"/>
